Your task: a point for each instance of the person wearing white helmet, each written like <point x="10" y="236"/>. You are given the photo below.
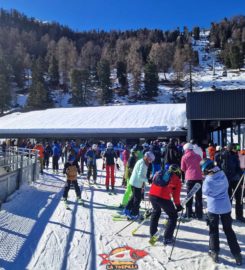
<point x="109" y="158"/>
<point x="218" y="156"/>
<point x="190" y="166"/>
<point x="137" y="180"/>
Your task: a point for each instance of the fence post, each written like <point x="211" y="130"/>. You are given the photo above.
<point x="20" y="172"/>
<point x="34" y="167"/>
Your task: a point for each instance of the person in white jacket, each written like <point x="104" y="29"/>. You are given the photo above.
<point x="137" y="180"/>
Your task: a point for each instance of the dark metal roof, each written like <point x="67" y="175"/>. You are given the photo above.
<point x="216" y="105"/>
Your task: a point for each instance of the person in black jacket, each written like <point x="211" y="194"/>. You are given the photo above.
<point x="230" y="164"/>
<point x="172" y="155"/>
<point x="157" y="163"/>
<point x="47" y="154"/>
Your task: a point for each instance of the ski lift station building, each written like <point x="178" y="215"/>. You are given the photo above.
<point x="217" y="116"/>
<point x="128" y="121"/>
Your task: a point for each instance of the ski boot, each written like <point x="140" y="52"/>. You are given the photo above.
<point x="80" y="201"/>
<point x="167" y="241"/>
<point x="238" y="259"/>
<point x="214" y="256"/>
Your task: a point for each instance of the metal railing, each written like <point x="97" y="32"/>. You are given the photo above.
<point x="17" y="166"/>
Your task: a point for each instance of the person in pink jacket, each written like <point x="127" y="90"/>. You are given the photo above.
<point x="125" y="157"/>
<point x="190" y="165"/>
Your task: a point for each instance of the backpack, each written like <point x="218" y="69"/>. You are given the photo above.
<point x="162" y="178"/>
<point x="71" y="172"/>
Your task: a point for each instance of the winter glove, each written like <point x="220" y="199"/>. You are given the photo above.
<point x="179" y="207"/>
<point x="118" y="167"/>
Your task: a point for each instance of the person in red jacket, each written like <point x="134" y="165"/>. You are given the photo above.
<point x="166" y="184"/>
<point x="211" y="151"/>
<point x="40" y="149"/>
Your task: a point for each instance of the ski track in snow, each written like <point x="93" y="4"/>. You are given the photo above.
<point x="38" y="233"/>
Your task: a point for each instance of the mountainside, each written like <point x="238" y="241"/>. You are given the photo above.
<point x="210" y="75"/>
<point x="45" y="65"/>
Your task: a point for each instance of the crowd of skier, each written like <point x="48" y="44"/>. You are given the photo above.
<point x="166" y="167"/>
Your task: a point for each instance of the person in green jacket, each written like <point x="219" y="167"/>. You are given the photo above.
<point x="128" y="171"/>
<point x="137" y="180"/>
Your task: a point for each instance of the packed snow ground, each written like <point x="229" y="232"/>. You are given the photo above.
<point x="37" y="232"/>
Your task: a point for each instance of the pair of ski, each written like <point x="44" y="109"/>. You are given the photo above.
<point x="156" y="236"/>
<point x="67" y="207"/>
<point x="193" y="191"/>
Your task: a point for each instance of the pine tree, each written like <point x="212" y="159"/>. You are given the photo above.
<point x="151" y="80"/>
<point x="122" y="74"/>
<point x="196" y="32"/>
<point x="236" y="57"/>
<point x="79" y="85"/>
<point x="5" y="94"/>
<point x="103" y="71"/>
<point x="39" y="97"/>
<point x="53" y="71"/>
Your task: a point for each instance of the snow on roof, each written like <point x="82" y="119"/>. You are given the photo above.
<point x="106" y="119"/>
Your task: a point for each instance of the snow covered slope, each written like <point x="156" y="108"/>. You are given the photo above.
<point x="38" y="233"/>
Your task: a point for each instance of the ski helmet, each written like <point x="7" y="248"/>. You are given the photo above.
<point x="188" y="146"/>
<point x="109" y="145"/>
<point x="145" y="145"/>
<point x="218" y="148"/>
<point x="206" y="164"/>
<point x="174" y="168"/>
<point x="94" y="146"/>
<point x="150" y="156"/>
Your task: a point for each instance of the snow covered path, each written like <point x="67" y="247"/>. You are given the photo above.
<point x="37" y="232"/>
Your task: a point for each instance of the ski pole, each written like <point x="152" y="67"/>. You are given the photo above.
<point x="169" y="258"/>
<point x="237" y="187"/>
<point x="123" y="228"/>
<point x="243" y="187"/>
<point x="146" y="217"/>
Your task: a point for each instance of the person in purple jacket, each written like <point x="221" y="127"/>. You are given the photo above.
<point x="190" y="165"/>
<point x="215" y="187"/>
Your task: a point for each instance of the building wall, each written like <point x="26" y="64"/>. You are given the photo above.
<point x="216" y="105"/>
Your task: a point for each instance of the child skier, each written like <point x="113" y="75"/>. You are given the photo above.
<point x="71" y="169"/>
<point x="215" y="187"/>
<point x="165" y="184"/>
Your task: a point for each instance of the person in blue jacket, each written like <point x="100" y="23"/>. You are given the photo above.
<point x="215" y="188"/>
<point x="56" y="153"/>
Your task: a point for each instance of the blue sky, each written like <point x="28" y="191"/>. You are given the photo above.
<point x="108" y="15"/>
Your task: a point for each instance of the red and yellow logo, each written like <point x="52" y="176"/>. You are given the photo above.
<point x="122" y="258"/>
